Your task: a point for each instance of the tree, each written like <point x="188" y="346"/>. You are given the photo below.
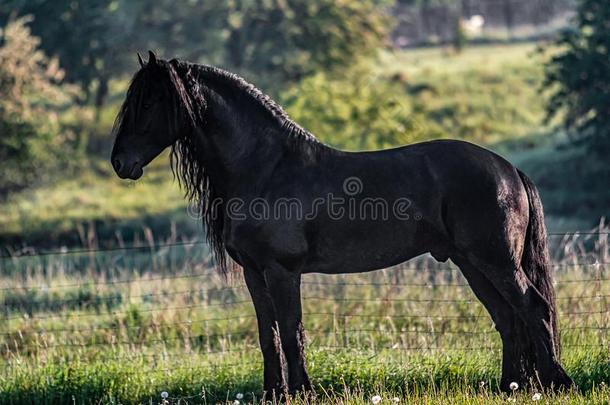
<point x="358" y="110"/>
<point x="30" y="138"/>
<point x="270" y="41"/>
<point x="80" y="33"/>
<point x="285" y="40"/>
<point x="579" y="76"/>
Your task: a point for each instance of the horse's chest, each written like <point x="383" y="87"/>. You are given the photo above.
<point x="255" y="244"/>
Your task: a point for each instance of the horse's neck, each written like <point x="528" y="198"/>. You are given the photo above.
<point x="246" y="135"/>
<point x="238" y="147"/>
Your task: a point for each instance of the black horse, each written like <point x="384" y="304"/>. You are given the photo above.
<point x="281" y="204"/>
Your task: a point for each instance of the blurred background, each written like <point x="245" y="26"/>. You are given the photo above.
<point x="529" y="79"/>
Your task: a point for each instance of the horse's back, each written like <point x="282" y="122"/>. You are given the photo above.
<point x="432" y="167"/>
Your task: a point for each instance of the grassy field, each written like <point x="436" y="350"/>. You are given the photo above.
<point x="486" y="94"/>
<point x="125" y="325"/>
<point x="96" y="204"/>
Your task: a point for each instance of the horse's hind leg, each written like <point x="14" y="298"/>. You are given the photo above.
<point x="503" y="317"/>
<point x="530" y="307"/>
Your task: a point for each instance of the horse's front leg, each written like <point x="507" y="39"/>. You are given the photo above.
<point x="285" y="289"/>
<point x="274" y="381"/>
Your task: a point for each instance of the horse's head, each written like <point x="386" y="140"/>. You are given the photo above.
<point x="155" y="114"/>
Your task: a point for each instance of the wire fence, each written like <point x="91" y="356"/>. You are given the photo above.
<point x="413" y="308"/>
<point x="29" y="251"/>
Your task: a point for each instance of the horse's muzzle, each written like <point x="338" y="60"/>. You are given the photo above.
<point x="127" y="168"/>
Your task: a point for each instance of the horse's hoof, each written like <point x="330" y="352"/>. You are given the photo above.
<point x="274" y="394"/>
<point x="564" y="383"/>
<point x="304" y="392"/>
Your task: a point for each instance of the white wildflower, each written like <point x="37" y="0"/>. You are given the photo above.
<point x="164" y="394"/>
<point x="236" y="402"/>
<point x="396" y="400"/>
<point x="537" y="397"/>
<point x="376" y="399"/>
<point x="239" y="395"/>
<point x="513" y="386"/>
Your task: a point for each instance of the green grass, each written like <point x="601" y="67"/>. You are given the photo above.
<point x="97" y="203"/>
<point x="339" y="377"/>
<point x="485" y="94"/>
<point x="122" y="327"/>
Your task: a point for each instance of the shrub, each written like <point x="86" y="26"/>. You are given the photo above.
<point x="358" y="110"/>
<point x="31" y="138"/>
<point x="579" y="76"/>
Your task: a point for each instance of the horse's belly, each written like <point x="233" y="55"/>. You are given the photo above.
<point x="347" y="265"/>
<point x="365" y="250"/>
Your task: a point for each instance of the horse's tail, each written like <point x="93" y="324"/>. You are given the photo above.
<point x="536" y="261"/>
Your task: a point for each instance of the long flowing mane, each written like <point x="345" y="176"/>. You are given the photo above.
<point x="251" y="94"/>
<point x="184" y="83"/>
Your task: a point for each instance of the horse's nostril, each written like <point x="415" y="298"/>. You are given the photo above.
<point x="117" y="164"/>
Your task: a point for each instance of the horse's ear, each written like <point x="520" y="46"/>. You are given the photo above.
<point x="140" y="60"/>
<point x="152" y="59"/>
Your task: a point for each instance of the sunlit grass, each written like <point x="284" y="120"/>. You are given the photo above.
<point x="485" y="94"/>
<point x="348" y="376"/>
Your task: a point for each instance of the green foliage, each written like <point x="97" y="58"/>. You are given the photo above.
<point x="579" y="76"/>
<point x="290" y="39"/>
<point x="80" y="33"/>
<point x="198" y="28"/>
<point x="479" y="96"/>
<point x="30" y="143"/>
<point x="428" y="3"/>
<point x="55" y="213"/>
<point x="460" y="39"/>
<point x="358" y="111"/>
<point x="96" y="40"/>
<point x="270" y="41"/>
